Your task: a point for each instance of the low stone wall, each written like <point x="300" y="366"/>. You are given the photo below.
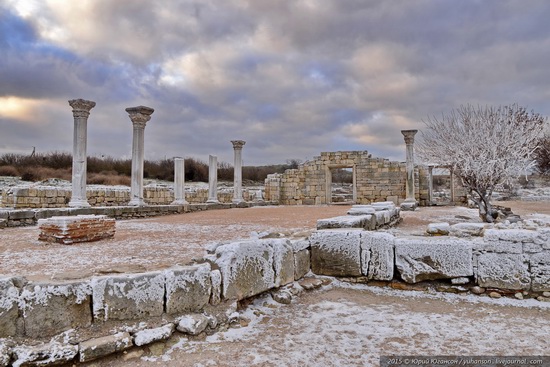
<point x="81" y="228"/>
<point x="369" y="217"/>
<point x="38" y="196"/>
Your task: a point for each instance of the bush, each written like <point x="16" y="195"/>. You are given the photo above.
<point x="9" y="171"/>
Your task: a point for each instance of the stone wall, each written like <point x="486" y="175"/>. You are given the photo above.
<point x="37" y="196"/>
<point x="376" y="179"/>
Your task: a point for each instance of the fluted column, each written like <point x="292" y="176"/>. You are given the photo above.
<point x="179" y="182"/>
<point x="139" y="116"/>
<point x="410" y="201"/>
<point x="238" y="171"/>
<point x="81" y="111"/>
<point x="212" y="180"/>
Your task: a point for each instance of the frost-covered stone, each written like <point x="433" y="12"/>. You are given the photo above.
<point x="50" y="354"/>
<point x="361" y="210"/>
<point x="299" y="245"/>
<point x="302" y="263"/>
<point x="283" y="261"/>
<point x="345" y="221"/>
<point x="101" y="347"/>
<point x="503" y="247"/>
<point x="246" y="267"/>
<point x="282" y="296"/>
<point x="511" y="235"/>
<point x="419" y="260"/>
<point x="508" y="271"/>
<point x="438" y="229"/>
<point x="9" y="312"/>
<point x="467" y="229"/>
<point x="193" y="324"/>
<point x="50" y="308"/>
<point x="540" y="271"/>
<point x="128" y="297"/>
<point x="149" y="336"/>
<point x="336" y="252"/>
<point x="188" y="288"/>
<point x="377" y="255"/>
<point x="5" y="354"/>
<point x="216" y="280"/>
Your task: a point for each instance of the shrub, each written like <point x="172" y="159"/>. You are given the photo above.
<point x="9" y="171"/>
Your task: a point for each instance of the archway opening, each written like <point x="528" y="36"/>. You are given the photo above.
<point x="342" y="185"/>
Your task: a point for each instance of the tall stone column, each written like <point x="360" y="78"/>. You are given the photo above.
<point x="179" y="182"/>
<point x="238" y="171"/>
<point x="81" y="111"/>
<point x="410" y="201"/>
<point x="212" y="180"/>
<point x="139" y="116"/>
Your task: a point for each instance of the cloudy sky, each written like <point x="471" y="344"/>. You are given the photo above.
<point x="291" y="77"/>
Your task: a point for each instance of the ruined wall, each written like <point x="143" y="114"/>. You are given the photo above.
<point x="376" y="179"/>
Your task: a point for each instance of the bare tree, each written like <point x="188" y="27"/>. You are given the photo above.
<point x="542" y="155"/>
<point x="485" y="146"/>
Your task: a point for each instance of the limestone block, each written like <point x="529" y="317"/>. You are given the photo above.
<point x="5" y="354"/>
<point x="507" y="247"/>
<point x="430" y="259"/>
<point x="438" y="229"/>
<point x="216" y="280"/>
<point x="73" y="229"/>
<point x="50" y="308"/>
<point x="508" y="271"/>
<point x="50" y="354"/>
<point x="467" y="229"/>
<point x="511" y="235"/>
<point x="101" y="347"/>
<point x="246" y="267"/>
<point x="361" y="210"/>
<point x="345" y="221"/>
<point x="336" y="252"/>
<point x="188" y="288"/>
<point x="149" y="336"/>
<point x="283" y="261"/>
<point x="377" y="255"/>
<point x="302" y="263"/>
<point x="540" y="271"/>
<point x="9" y="311"/>
<point x="128" y="297"/>
<point x="193" y="324"/>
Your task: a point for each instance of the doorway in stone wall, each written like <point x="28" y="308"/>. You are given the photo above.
<point x="341" y="187"/>
<point x="441" y="193"/>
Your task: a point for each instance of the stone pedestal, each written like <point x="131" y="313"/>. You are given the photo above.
<point x="410" y="201"/>
<point x="179" y="182"/>
<point x="81" y="111"/>
<point x="212" y="180"/>
<point x="139" y="116"/>
<point x="238" y="171"/>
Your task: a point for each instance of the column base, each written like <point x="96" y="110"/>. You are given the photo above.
<point x="409" y="205"/>
<point x="212" y="201"/>
<point x="137" y="202"/>
<point x="179" y="202"/>
<point x="79" y="203"/>
<point x="237" y="201"/>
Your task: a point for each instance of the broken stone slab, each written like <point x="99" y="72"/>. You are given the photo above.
<point x="128" y="297"/>
<point x="430" y="259"/>
<point x="282" y="296"/>
<point x="149" y="336"/>
<point x="9" y="311"/>
<point x="50" y="308"/>
<point x="507" y="271"/>
<point x="507" y="247"/>
<point x="361" y="210"/>
<point x="310" y="283"/>
<point x="377" y="255"/>
<point x="302" y="263"/>
<point x="345" y="221"/>
<point x="283" y="261"/>
<point x="216" y="281"/>
<point x="336" y="252"/>
<point x="468" y="229"/>
<point x="540" y="271"/>
<point x="247" y="268"/>
<point x="299" y="245"/>
<point x="188" y="288"/>
<point x="50" y="354"/>
<point x="193" y="324"/>
<point x="409" y="205"/>
<point x="5" y="353"/>
<point x="438" y="229"/>
<point x="383" y="205"/>
<point x="103" y="346"/>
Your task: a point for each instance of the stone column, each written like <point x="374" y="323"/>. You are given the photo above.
<point x="410" y="201"/>
<point x="212" y="180"/>
<point x="179" y="182"/>
<point x="139" y="116"/>
<point x="430" y="184"/>
<point x="238" y="171"/>
<point x="81" y="111"/>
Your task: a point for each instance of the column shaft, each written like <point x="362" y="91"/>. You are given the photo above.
<point x="238" y="171"/>
<point x="179" y="182"/>
<point x="410" y="199"/>
<point x="212" y="180"/>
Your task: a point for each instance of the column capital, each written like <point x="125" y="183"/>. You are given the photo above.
<point x="140" y="115"/>
<point x="81" y="107"/>
<point x="409" y="136"/>
<point x="238" y="144"/>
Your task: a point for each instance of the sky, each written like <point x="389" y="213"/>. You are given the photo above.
<point x="293" y="78"/>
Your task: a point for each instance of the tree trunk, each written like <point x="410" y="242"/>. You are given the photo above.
<point x="483" y="201"/>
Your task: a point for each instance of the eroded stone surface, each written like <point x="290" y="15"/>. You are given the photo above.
<point x="377" y="255"/>
<point x="283" y="261"/>
<point x="344" y="221"/>
<point x="9" y="312"/>
<point x="336" y="252"/>
<point x="216" y="280"/>
<point x="188" y="288"/>
<point x="149" y="336"/>
<point x="101" y="347"/>
<point x="193" y="324"/>
<point x="508" y="271"/>
<point x="419" y="260"/>
<point x="302" y="263"/>
<point x="50" y="354"/>
<point x="540" y="271"/>
<point x="438" y="229"/>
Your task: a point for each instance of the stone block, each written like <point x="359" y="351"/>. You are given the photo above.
<point x="361" y="210"/>
<point x="101" y="347"/>
<point x="511" y="235"/>
<point x="50" y="308"/>
<point x="438" y="229"/>
<point x="9" y="311"/>
<point x="336" y="252"/>
<point x="345" y="221"/>
<point x="193" y="324"/>
<point x="302" y="263"/>
<point x="246" y="267"/>
<point x="540" y="271"/>
<point x="377" y="255"/>
<point x="21" y="214"/>
<point x="128" y="297"/>
<point x="431" y="259"/>
<point x="467" y="229"/>
<point x="148" y="336"/>
<point x="73" y="229"/>
<point x="507" y="271"/>
<point x="50" y="354"/>
<point x="188" y="288"/>
<point x="283" y="261"/>
<point x="5" y="354"/>
<point x="216" y="281"/>
<point x="506" y="247"/>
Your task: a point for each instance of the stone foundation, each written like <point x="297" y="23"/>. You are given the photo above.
<point x="80" y="228"/>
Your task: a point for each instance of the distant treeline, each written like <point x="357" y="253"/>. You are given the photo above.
<point x="111" y="171"/>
